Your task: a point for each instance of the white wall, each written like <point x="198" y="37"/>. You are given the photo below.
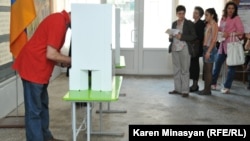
<point x="11" y="93"/>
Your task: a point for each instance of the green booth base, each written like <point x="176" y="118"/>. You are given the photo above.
<point x="90" y="96"/>
<point x="96" y="96"/>
<point x="121" y="64"/>
<point x="109" y="110"/>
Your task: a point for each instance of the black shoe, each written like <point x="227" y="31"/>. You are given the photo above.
<point x="184" y="94"/>
<point x="191" y="89"/>
<point x="248" y="87"/>
<point x="203" y="92"/>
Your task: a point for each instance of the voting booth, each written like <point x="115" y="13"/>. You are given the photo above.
<point x="95" y="54"/>
<point x="95" y="33"/>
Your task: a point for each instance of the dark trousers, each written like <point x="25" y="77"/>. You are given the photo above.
<point x="194" y="68"/>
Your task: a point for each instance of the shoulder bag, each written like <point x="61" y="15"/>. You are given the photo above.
<point x="235" y="52"/>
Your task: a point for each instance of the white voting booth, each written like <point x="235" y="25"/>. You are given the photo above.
<point x="95" y="32"/>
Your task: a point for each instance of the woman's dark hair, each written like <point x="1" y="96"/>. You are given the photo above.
<point x="213" y="12"/>
<point x="201" y="11"/>
<point x="180" y="8"/>
<point x="235" y="9"/>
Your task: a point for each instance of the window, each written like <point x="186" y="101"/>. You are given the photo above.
<point x="68" y="2"/>
<point x="157" y="19"/>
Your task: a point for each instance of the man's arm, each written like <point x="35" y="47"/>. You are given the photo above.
<point x="54" y="55"/>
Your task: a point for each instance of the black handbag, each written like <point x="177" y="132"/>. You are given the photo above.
<point x="194" y="48"/>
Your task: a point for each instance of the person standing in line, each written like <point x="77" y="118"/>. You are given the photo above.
<point x="209" y="49"/>
<point x="230" y="24"/>
<point x="247" y="63"/>
<point x="35" y="64"/>
<point x="180" y="53"/>
<point x="195" y="65"/>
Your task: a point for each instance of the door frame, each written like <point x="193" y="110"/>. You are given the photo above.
<point x="136" y="58"/>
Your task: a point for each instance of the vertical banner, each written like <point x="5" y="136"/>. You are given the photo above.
<point x="22" y="14"/>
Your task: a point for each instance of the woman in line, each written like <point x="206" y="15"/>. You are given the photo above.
<point x="195" y="65"/>
<point x="230" y="24"/>
<point x="180" y="53"/>
<point x="209" y="49"/>
<point x="247" y="63"/>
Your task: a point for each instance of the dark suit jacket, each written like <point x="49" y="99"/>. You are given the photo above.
<point x="199" y="29"/>
<point x="188" y="32"/>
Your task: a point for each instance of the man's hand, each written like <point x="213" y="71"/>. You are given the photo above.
<point x="65" y="65"/>
<point x="54" y="55"/>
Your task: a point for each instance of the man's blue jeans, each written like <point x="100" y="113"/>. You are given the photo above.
<point x="217" y="68"/>
<point x="36" y="102"/>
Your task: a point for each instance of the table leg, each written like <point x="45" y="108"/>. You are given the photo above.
<point x="88" y="121"/>
<point x="109" y="110"/>
<point x="100" y="116"/>
<point x="101" y="132"/>
<point x="74" y="120"/>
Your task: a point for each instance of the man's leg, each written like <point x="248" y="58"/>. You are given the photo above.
<point x="45" y="114"/>
<point x="33" y="108"/>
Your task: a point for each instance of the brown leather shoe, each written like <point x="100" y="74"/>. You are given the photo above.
<point x="184" y="94"/>
<point x="174" y="92"/>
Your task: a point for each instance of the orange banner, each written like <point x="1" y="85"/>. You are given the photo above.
<point x="22" y="14"/>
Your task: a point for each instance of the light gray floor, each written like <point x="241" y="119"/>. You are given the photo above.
<point x="147" y="102"/>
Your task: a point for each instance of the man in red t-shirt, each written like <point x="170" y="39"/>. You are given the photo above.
<point x="35" y="64"/>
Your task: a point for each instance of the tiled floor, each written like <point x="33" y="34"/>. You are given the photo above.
<point x="146" y="102"/>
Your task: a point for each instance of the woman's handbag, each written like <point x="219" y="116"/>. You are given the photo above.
<point x="235" y="52"/>
<point x="193" y="48"/>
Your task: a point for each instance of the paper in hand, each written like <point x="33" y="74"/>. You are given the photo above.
<point x="172" y="31"/>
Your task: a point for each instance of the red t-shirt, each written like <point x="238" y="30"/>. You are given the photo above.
<point x="32" y="63"/>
